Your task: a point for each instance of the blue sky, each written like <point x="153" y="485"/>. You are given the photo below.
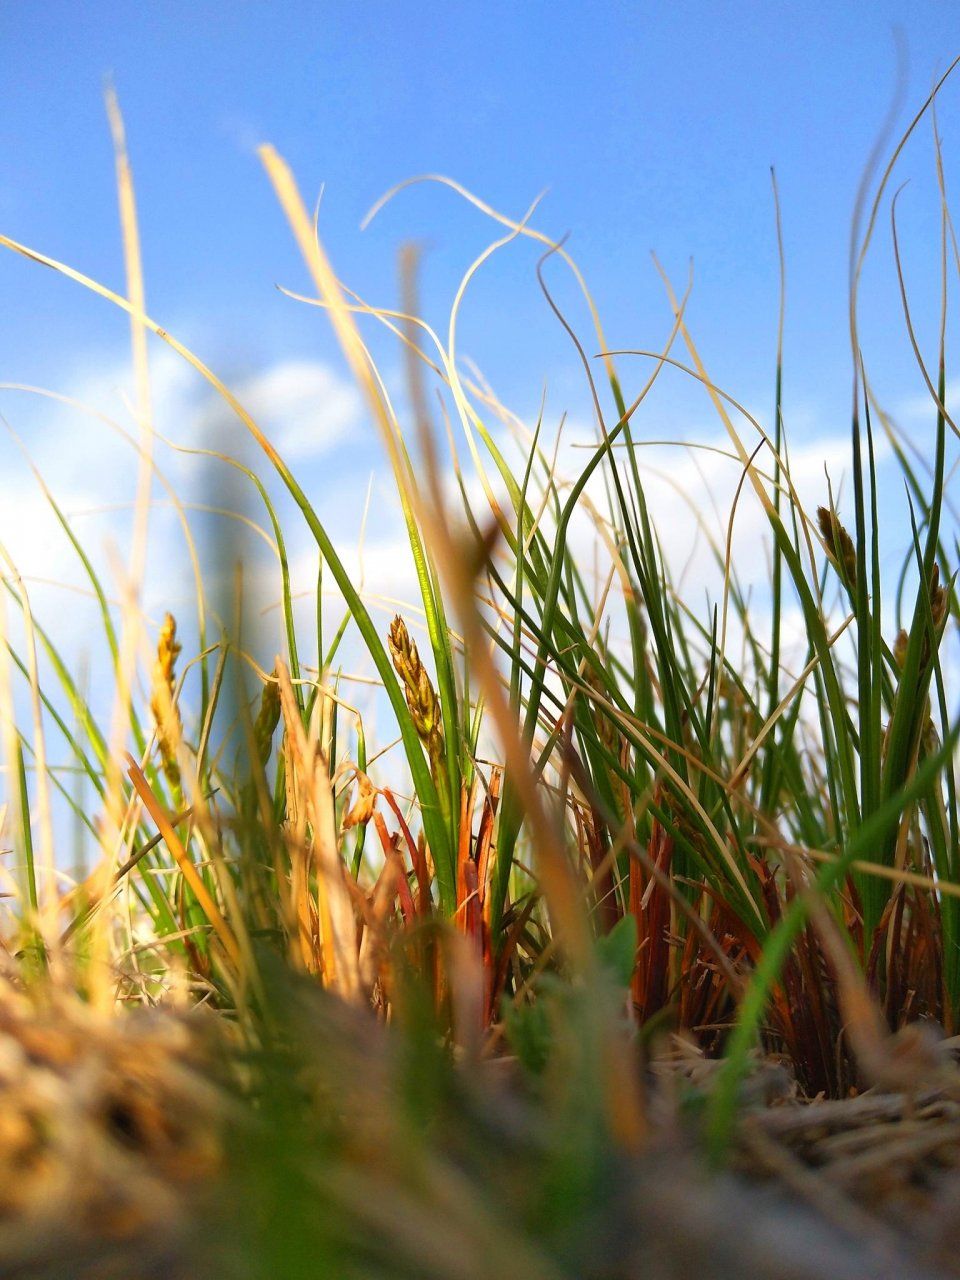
<point x="651" y="126"/>
<point x="648" y="126"/>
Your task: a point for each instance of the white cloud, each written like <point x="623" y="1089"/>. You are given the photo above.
<point x="305" y="407"/>
<point x="921" y="407"/>
<point x="690" y="494"/>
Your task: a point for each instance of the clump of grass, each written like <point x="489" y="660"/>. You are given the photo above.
<point x="763" y="855"/>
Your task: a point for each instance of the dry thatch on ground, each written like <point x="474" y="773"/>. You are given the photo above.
<point x="109" y="1131"/>
<point x="114" y="1161"/>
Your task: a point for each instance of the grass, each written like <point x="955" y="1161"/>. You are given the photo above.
<point x="630" y="820"/>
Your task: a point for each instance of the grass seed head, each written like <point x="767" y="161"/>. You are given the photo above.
<point x="938" y="598"/>
<point x="166" y="714"/>
<point x="900" y="648"/>
<point x="421" y="697"/>
<point x="839" y="545"/>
